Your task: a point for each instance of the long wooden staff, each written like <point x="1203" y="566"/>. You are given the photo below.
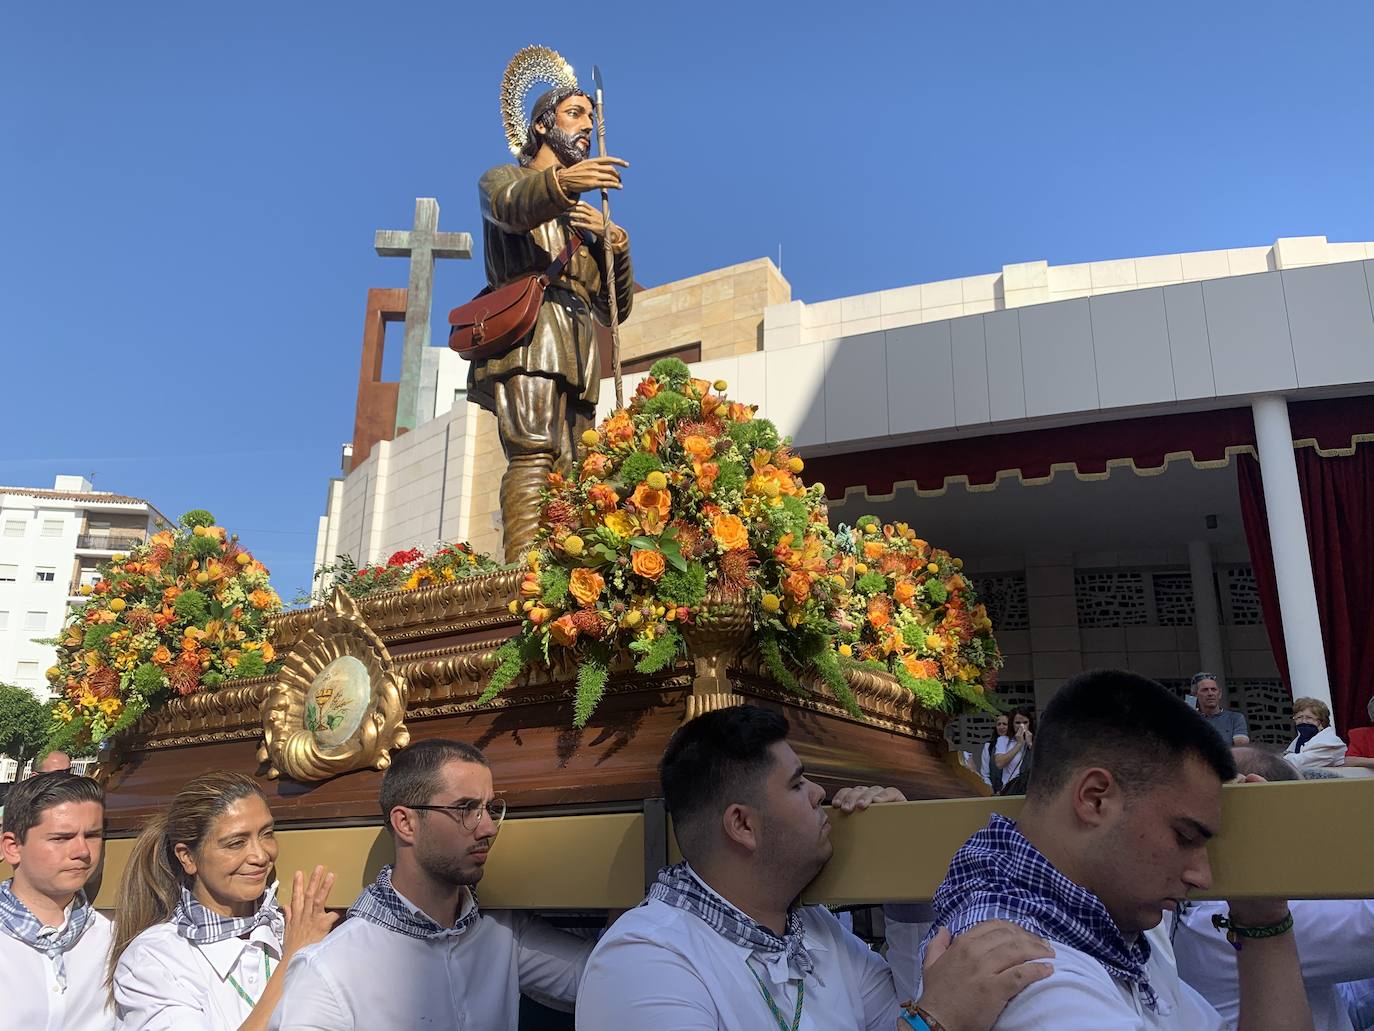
<point x="606" y="242"/>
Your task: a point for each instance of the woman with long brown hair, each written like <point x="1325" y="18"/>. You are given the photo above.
<point x="200" y="940"/>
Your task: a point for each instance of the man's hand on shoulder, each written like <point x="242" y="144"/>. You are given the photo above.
<point x="591" y="174"/>
<point x="969" y="981"/>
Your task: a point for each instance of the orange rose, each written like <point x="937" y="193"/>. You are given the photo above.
<point x="797" y="586"/>
<point x="603" y="497"/>
<point x="698" y="447"/>
<point x="586" y="586"/>
<point x="647" y="563"/>
<point x="706" y="473"/>
<point x="879" y="612"/>
<point x="921" y="668"/>
<point x="647" y="499"/>
<point x="873" y="549"/>
<point x="730" y="533"/>
<point x="563" y="630"/>
<point x="595" y="465"/>
<point x="740" y="413"/>
<point x="268" y="652"/>
<point x="162" y="655"/>
<point x="648" y="387"/>
<point x="262" y="598"/>
<point x="619" y="428"/>
<point x="904" y="592"/>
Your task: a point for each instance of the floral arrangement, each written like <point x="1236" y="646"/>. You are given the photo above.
<point x="683" y="501"/>
<point x="407" y="570"/>
<point x="912" y="612"/>
<point x="184" y="611"/>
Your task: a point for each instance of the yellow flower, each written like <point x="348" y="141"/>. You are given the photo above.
<point x="656" y="480"/>
<point x="620" y="524"/>
<point x="111" y="706"/>
<point x="117" y="604"/>
<point x="64" y="713"/>
<point x="796" y="465"/>
<point x="591" y="438"/>
<point x="88" y="700"/>
<point x="771" y="603"/>
<point x="720" y="384"/>
<point x="931" y="567"/>
<point x="846" y="650"/>
<point x="572" y="544"/>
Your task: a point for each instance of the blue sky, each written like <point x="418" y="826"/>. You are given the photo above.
<point x="190" y="192"/>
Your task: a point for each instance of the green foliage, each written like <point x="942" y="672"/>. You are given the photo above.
<point x="553" y="585"/>
<point x="771" y="653"/>
<point x="866" y="521"/>
<point x="659" y="653"/>
<point x="731" y="479"/>
<point x="23" y="723"/>
<point x="684" y="586"/>
<point x="196" y="517"/>
<point x="670" y="405"/>
<point x="204" y="546"/>
<point x="792" y="517"/>
<point x="148" y="679"/>
<point x="592" y="674"/>
<point x="827" y="663"/>
<point x="191" y="605"/>
<point x="512" y="658"/>
<point x="927" y="689"/>
<point x="671" y="372"/>
<point x="872" y="583"/>
<point x="250" y="665"/>
<point x="754" y="435"/>
<point x="212" y="680"/>
<point x="937" y="592"/>
<point x="96" y="635"/>
<point x="914" y="636"/>
<point x="637" y="466"/>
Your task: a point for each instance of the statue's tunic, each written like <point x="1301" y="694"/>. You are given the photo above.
<point x="524" y="226"/>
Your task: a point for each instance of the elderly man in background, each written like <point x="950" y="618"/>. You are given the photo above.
<point x="54" y="762"/>
<point x="1335" y="938"/>
<point x="1229" y="724"/>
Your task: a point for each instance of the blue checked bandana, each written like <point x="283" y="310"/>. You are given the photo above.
<point x="23" y="926"/>
<point x="200" y="926"/>
<point x="380" y="904"/>
<point x="998" y="875"/>
<point x="678" y="886"/>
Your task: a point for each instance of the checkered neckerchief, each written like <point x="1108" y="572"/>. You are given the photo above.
<point x="380" y="904"/>
<point x="201" y="926"/>
<point x="679" y="886"/>
<point x="999" y="875"/>
<point x="20" y="924"/>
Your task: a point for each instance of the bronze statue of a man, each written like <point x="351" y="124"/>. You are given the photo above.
<point x="543" y="391"/>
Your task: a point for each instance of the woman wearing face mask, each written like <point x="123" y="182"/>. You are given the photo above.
<point x="1000" y="743"/>
<point x="1015" y="762"/>
<point x="1317" y="743"/>
<point x="200" y="940"/>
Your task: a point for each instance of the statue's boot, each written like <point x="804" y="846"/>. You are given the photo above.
<point x="526" y="476"/>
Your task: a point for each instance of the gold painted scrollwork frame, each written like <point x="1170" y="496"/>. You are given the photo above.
<point x="291" y="749"/>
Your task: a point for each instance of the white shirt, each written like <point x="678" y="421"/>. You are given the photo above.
<point x="671" y="970"/>
<point x="1009" y="772"/>
<point x="1324" y="748"/>
<point x="1081" y="996"/>
<point x="31" y="997"/>
<point x="165" y="983"/>
<point x="1335" y="941"/>
<point x="363" y="976"/>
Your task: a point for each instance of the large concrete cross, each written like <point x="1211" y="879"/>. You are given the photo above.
<point x="421" y="244"/>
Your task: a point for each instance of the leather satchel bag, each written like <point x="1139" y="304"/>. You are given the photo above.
<point x="497" y="320"/>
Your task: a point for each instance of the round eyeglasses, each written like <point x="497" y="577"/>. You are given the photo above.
<point x="469" y="812"/>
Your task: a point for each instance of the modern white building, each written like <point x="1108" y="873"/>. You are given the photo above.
<point x="51" y="543"/>
<point x="1087" y="437"/>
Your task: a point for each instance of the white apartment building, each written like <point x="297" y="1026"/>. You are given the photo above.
<point x="51" y="542"/>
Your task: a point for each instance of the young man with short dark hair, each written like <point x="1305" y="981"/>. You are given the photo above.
<point x="720" y="944"/>
<point x="53" y="944"/>
<point x="416" y="952"/>
<point x="1123" y="797"/>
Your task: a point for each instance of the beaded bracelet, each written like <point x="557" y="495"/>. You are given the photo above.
<point x="1235" y="932"/>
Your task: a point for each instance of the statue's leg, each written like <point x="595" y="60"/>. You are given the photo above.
<point x="528" y="412"/>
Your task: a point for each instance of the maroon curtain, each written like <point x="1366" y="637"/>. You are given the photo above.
<point x="1338" y="505"/>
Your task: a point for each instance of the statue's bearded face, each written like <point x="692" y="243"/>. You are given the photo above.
<point x="570" y="135"/>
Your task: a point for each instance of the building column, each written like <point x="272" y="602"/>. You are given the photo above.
<point x="1302" y="632"/>
<point x="1206" y="619"/>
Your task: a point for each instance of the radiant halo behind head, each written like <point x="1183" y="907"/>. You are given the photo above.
<point x="531" y="65"/>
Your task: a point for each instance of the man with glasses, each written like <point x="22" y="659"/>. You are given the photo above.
<point x="416" y="951"/>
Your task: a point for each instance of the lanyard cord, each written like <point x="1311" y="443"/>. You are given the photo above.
<point x="773" y="1006"/>
<point x="266" y="974"/>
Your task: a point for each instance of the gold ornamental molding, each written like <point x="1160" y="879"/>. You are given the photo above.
<point x="472" y="603"/>
<point x="338" y="702"/>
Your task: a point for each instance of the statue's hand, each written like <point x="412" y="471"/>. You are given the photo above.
<point x="592" y="174"/>
<point x="588" y="219"/>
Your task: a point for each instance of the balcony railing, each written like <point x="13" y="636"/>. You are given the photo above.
<point x="107" y="542"/>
